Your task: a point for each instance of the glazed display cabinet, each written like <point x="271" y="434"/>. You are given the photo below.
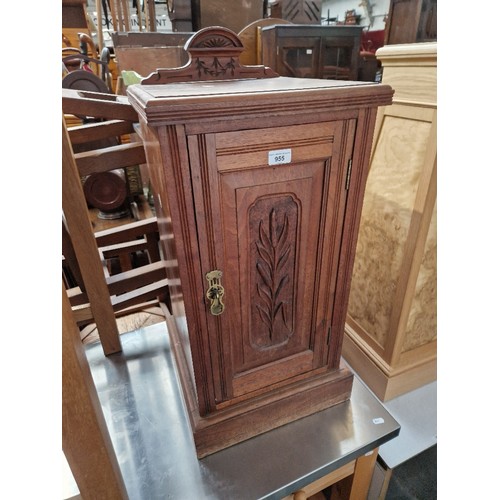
<point x="312" y="51"/>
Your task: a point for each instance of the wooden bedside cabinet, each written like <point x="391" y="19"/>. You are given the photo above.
<point x="258" y="183"/>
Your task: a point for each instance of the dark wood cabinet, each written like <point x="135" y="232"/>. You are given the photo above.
<point x="312" y="51"/>
<point x="258" y="184"/>
<point x="411" y="21"/>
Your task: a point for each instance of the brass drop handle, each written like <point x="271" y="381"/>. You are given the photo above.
<point x="215" y="292"/>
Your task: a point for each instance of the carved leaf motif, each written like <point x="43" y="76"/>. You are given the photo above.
<point x="284" y="312"/>
<point x="273" y="248"/>
<point x="264" y="316"/>
<point x="282" y="260"/>
<point x="265" y="272"/>
<point x="283" y="281"/>
<point x="266" y="242"/>
<point x="283" y="238"/>
<point x="216" y="68"/>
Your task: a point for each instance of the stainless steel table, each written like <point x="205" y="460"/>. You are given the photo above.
<point x="145" y="414"/>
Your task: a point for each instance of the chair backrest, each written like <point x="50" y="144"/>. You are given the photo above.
<point x="250" y="36"/>
<point x="98" y="292"/>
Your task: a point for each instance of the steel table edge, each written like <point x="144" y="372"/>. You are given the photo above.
<point x="327" y="468"/>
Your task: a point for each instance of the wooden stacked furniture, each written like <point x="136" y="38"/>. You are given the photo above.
<point x="251" y="38"/>
<point x="411" y="21"/>
<point x="312" y="51"/>
<point x="258" y="183"/>
<point x="98" y="294"/>
<point x="146" y="52"/>
<point x="180" y="13"/>
<point x="74" y="21"/>
<point x="298" y="11"/>
<point x="391" y="331"/>
<point x="234" y="15"/>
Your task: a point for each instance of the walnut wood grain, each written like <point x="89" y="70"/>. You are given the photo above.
<point x="283" y="236"/>
<point x="213" y="55"/>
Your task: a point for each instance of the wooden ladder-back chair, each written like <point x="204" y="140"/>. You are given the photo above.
<point x="98" y="295"/>
<point x="120" y="15"/>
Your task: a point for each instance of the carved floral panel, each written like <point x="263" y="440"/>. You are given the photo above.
<point x="273" y="237"/>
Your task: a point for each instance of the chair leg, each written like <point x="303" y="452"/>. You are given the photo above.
<point x="87" y="253"/>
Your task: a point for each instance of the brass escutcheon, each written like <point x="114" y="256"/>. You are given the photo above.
<point x="215" y="292"/>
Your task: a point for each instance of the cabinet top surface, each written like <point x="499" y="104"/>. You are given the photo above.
<point x="214" y="88"/>
<point x="408" y="51"/>
<point x="241" y="95"/>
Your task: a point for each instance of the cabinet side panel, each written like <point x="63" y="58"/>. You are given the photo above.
<point x="387" y="209"/>
<point x="166" y="156"/>
<point x="268" y="47"/>
<point x="158" y="179"/>
<point x="364" y="128"/>
<point x="422" y="321"/>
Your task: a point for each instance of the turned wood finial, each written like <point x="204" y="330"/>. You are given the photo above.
<point x="213" y="55"/>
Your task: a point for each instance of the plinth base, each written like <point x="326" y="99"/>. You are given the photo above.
<point x="239" y="422"/>
<point x="415" y="370"/>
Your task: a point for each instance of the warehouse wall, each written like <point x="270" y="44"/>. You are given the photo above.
<point x="338" y="8"/>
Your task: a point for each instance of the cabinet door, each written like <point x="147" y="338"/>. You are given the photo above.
<point x="298" y="56"/>
<point x="274" y="230"/>
<point x="339" y="57"/>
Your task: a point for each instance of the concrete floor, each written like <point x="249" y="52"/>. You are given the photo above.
<point x="415" y="479"/>
<point x="407" y="465"/>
